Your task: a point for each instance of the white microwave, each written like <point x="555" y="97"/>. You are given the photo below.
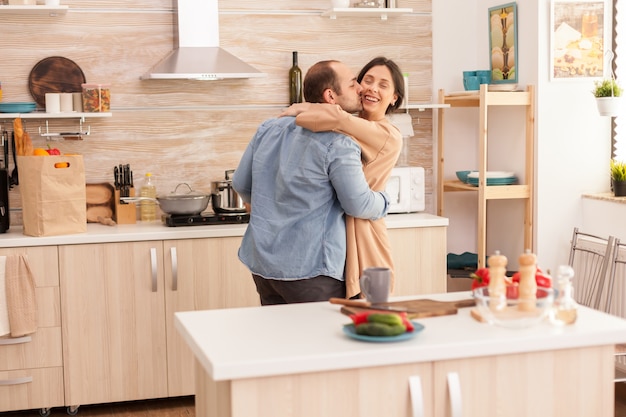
<point x="406" y="190"/>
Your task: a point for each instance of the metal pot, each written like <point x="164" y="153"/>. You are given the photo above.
<point x="191" y="202"/>
<point x="224" y="198"/>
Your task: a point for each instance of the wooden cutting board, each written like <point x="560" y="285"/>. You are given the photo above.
<point x="54" y="74"/>
<point x="418" y="308"/>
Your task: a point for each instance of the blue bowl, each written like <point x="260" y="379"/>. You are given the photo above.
<point x="462" y="175"/>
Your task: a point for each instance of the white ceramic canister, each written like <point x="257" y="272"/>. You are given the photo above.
<point x="53" y="103"/>
<point x="67" y="103"/>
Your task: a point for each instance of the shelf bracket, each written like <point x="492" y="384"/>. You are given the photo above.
<point x="66" y="135"/>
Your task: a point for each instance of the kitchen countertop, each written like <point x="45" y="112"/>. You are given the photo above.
<point x="299" y="338"/>
<point x="97" y="233"/>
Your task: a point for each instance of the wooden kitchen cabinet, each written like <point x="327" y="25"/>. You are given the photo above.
<point x="529" y="384"/>
<point x="120" y="300"/>
<point x="113" y="308"/>
<point x="419" y="257"/>
<point x="31" y="367"/>
<point x="485" y="101"/>
<point x="518" y="385"/>
<point x="200" y="274"/>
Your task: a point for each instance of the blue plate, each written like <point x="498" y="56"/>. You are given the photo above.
<point x="349" y="330"/>
<point x="25" y="107"/>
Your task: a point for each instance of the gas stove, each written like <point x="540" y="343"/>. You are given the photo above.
<point x="204" y="219"/>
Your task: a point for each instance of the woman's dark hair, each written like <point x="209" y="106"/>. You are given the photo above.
<point x="318" y="78"/>
<point x="396" y="77"/>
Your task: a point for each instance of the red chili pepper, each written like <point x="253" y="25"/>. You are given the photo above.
<point x="480" y="278"/>
<point x="407" y="323"/>
<point x="358" y="318"/>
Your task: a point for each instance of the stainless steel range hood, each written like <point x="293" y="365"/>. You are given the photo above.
<point x="198" y="55"/>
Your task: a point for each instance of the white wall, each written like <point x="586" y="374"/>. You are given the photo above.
<point x="572" y="141"/>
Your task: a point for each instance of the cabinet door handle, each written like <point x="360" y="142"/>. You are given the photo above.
<point x="15" y="340"/>
<point x="174" y="269"/>
<point x="16" y="381"/>
<point x="153" y="263"/>
<point x="454" y="389"/>
<point x="417" y="399"/>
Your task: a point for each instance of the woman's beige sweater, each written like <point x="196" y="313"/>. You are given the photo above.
<point x="367" y="241"/>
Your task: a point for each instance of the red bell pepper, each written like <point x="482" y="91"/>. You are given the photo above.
<point x="480" y="278"/>
<point x="53" y="151"/>
<point x="543" y="280"/>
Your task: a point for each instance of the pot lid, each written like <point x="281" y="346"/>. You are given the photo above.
<point x="184" y="194"/>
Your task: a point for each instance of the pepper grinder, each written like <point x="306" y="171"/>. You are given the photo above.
<point x="527" y="282"/>
<point x="497" y="285"/>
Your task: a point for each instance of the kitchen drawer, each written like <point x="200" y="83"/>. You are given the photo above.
<point x="31" y="389"/>
<point x="41" y="349"/>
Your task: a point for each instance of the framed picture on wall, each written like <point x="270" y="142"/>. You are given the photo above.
<point x="503" y="44"/>
<point x="580" y="38"/>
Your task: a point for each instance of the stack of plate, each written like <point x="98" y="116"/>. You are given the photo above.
<point x="25" y="107"/>
<point x="493" y="178"/>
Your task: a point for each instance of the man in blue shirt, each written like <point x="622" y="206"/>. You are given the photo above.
<point x="299" y="185"/>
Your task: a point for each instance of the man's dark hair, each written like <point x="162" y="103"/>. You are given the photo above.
<point x="318" y="78"/>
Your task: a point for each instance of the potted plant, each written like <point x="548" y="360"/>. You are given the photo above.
<point x="618" y="178"/>
<point x="608" y="97"/>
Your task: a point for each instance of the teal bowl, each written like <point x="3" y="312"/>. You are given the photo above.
<point x="462" y="175"/>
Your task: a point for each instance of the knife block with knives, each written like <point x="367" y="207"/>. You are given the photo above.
<point x="414" y="308"/>
<point x="125" y="213"/>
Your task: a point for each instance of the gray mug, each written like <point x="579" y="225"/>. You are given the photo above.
<point x="376" y="284"/>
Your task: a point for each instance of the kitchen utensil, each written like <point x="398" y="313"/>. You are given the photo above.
<point x="4" y="201"/>
<point x="224" y="197"/>
<point x="350" y="331"/>
<point x="14" y="179"/>
<point x="191" y="202"/>
<point x="54" y="74"/>
<point x="5" y="149"/>
<point x="365" y="304"/>
<point x="418" y="308"/>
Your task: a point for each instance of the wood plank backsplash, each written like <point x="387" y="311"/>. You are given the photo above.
<point x="192" y="131"/>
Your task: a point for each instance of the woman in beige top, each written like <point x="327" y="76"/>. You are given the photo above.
<point x="367" y="241"/>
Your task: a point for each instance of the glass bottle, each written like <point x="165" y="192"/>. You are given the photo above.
<point x="564" y="308"/>
<point x="295" y="81"/>
<point x="147" y="208"/>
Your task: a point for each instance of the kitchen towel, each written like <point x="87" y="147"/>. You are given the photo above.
<point x="20" y="296"/>
<point x="5" y="328"/>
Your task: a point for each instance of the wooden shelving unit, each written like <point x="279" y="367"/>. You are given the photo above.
<point x="484" y="100"/>
<point x="383" y="13"/>
<point x="52" y="11"/>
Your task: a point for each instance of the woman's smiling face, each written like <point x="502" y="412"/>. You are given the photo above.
<point x="378" y="92"/>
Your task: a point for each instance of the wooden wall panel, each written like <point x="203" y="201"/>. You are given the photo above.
<point x="191" y="131"/>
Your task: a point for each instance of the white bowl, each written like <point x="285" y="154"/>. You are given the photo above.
<point x="508" y="310"/>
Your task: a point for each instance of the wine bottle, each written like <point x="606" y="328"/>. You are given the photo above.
<point x="295" y="81"/>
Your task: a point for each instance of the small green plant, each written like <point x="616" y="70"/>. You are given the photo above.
<point x="618" y="171"/>
<point x="607" y="88"/>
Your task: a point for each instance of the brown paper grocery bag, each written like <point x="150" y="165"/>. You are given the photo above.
<point x="53" y="197"/>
